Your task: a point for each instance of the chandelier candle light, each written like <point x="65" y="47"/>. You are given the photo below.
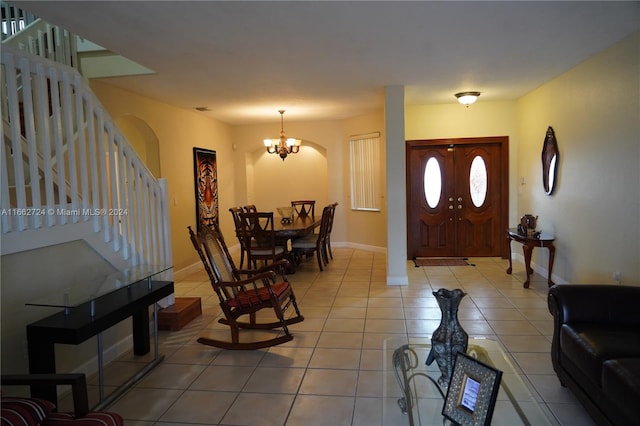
<point x="284" y="146"/>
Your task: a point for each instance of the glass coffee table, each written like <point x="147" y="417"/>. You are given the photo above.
<point x="412" y="396"/>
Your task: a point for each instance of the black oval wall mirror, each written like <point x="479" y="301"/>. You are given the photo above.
<point x="549" y="161"/>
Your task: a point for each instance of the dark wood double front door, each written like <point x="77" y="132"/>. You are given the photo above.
<point x="457" y="197"/>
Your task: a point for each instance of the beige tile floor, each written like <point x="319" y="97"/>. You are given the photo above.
<point x="331" y="373"/>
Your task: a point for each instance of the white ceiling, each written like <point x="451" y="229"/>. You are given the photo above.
<point x="331" y="60"/>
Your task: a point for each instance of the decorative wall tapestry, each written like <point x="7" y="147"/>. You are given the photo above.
<point x="206" y="182"/>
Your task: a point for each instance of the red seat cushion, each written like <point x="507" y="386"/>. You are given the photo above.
<point x="24" y="411"/>
<point x="252" y="297"/>
<point x="101" y="418"/>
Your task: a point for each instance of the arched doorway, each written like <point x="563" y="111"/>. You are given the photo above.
<point x="273" y="183"/>
<point x="143" y="140"/>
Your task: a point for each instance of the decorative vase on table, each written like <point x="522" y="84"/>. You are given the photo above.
<point x="528" y="223"/>
<point x="449" y="338"/>
<point x="286" y="214"/>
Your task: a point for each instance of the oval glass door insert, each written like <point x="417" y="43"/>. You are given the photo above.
<point x="478" y="181"/>
<point x="432" y="182"/>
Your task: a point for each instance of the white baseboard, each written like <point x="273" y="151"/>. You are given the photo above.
<point x="181" y="274"/>
<point x="541" y="270"/>
<point x="358" y="246"/>
<point x="397" y="280"/>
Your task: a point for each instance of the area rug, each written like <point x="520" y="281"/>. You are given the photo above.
<point x="440" y="261"/>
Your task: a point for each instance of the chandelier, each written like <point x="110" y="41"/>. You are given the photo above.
<point x="284" y="146"/>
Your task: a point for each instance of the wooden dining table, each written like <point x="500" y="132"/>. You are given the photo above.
<point x="299" y="227"/>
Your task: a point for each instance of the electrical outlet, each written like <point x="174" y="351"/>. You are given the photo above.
<point x="617" y="276"/>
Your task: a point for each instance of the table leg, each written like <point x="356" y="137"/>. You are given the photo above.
<point x="527" y="262"/>
<point x="100" y="368"/>
<point x="42" y="359"/>
<point x="552" y="255"/>
<point x="294" y="260"/>
<point x="510" y="268"/>
<point x="141" y="341"/>
<point x="155" y="331"/>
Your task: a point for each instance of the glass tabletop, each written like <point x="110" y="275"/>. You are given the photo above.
<point x="515" y="404"/>
<point x="83" y="290"/>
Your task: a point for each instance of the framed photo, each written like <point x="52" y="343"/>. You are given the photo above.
<point x="206" y="184"/>
<point x="472" y="392"/>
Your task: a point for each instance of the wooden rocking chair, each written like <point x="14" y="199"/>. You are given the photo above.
<point x="258" y="290"/>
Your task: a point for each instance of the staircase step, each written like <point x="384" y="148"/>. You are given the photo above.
<point x="181" y="313"/>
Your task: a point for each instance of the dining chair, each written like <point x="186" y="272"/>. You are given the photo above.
<point x="311" y="243"/>
<point x="250" y="208"/>
<point x="237" y="221"/>
<point x="329" y="229"/>
<point x="304" y="208"/>
<point x="245" y="292"/>
<point x="258" y="231"/>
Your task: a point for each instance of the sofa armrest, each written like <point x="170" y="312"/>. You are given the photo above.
<point x="78" y="384"/>
<point x="589" y="303"/>
<point x="599" y="303"/>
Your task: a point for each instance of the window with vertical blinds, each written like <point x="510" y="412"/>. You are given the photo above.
<point x="364" y="152"/>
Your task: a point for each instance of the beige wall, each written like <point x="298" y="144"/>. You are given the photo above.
<point x="479" y="120"/>
<point x="265" y="180"/>
<point x="143" y="140"/>
<point x="35" y="275"/>
<point x="364" y="229"/>
<point x="246" y="173"/>
<point x="595" y="119"/>
<point x="319" y="171"/>
<point x="595" y="210"/>
<point x="178" y="131"/>
<point x="273" y="183"/>
<point x="594" y="110"/>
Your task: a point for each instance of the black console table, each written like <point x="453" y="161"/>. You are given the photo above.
<point x="88" y="311"/>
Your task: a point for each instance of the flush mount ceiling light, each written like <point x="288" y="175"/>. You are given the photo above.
<point x="283" y="146"/>
<point x="467" y="98"/>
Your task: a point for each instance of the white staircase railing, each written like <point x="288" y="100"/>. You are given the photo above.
<point x="77" y="166"/>
<point x="14" y="19"/>
<point x="36" y="36"/>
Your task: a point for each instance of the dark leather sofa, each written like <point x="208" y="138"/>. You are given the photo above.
<point x="596" y="348"/>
